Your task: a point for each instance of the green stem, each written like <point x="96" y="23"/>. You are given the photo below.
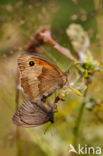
<point x="18" y="142"/>
<point x="79" y="118"/>
<point x="18" y="137"/>
<point x="77" y="125"/>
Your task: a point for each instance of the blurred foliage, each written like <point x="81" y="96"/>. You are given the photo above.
<point x="19" y="19"/>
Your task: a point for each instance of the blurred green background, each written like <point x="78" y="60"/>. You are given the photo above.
<point x="19" y="19"/>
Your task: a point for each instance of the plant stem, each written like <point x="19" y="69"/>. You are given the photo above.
<point x="77" y="125"/>
<point x="18" y="137"/>
<point x="18" y="142"/>
<point x="79" y="118"/>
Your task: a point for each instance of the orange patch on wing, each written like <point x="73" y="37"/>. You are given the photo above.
<point x="44" y="63"/>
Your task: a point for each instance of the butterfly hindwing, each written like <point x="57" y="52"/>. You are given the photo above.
<point x="32" y="114"/>
<point x="30" y="83"/>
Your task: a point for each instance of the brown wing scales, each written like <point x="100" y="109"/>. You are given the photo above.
<point x="50" y="80"/>
<point x="40" y="80"/>
<point x="29" y="82"/>
<point x="31" y="115"/>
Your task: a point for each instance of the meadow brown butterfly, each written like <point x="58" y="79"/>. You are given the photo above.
<point x="39" y="78"/>
<point x="32" y="114"/>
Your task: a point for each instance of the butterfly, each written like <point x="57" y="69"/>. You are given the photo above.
<point x="39" y="78"/>
<point x="32" y="114"/>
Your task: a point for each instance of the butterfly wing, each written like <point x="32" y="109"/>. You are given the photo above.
<point x="41" y="79"/>
<point x="30" y="82"/>
<point x="31" y="115"/>
<point x="50" y="80"/>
